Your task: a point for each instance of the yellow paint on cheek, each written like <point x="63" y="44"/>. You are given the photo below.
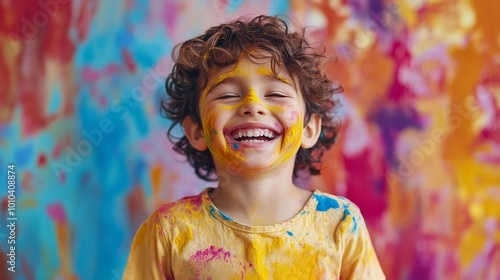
<point x="275" y="108"/>
<point x="216" y="142"/>
<point x="233" y="156"/>
<point x="208" y="129"/>
<point x="291" y="141"/>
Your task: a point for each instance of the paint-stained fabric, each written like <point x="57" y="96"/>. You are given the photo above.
<point x="192" y="239"/>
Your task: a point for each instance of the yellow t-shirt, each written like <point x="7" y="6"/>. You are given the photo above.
<point x="192" y="239"/>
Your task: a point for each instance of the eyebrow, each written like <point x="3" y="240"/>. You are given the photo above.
<point x="269" y="73"/>
<point x="224" y="80"/>
<point x="238" y="76"/>
<point x="276" y="78"/>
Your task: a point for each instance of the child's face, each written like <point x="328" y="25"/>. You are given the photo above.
<point x="251" y="119"/>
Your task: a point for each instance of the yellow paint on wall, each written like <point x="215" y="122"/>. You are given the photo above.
<point x="471" y="245"/>
<point x="156" y="173"/>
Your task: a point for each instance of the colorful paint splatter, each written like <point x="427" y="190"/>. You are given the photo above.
<point x="419" y="150"/>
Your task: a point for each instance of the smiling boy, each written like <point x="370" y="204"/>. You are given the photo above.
<point x="255" y="109"/>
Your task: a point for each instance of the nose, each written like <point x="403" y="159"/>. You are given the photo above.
<point x="252" y="106"/>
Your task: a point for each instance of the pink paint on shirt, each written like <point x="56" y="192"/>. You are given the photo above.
<point x="210" y="254"/>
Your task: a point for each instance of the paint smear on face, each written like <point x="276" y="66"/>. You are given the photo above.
<point x="267" y="72"/>
<point x="252" y="98"/>
<point x="217" y="143"/>
<point x="292" y="139"/>
<point x="227" y="150"/>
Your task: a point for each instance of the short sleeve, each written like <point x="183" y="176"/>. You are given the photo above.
<point x="149" y="256"/>
<point x="359" y="260"/>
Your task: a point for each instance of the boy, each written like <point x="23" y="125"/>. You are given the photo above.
<point x="255" y="109"/>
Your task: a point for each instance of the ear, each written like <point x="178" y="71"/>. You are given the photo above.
<point x="311" y="132"/>
<point x="194" y="134"/>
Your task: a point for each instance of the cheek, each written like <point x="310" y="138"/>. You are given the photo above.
<point x="294" y="115"/>
<point x="213" y="127"/>
<point x="294" y="132"/>
<point x="209" y="118"/>
<point x="209" y="132"/>
<point x="291" y="114"/>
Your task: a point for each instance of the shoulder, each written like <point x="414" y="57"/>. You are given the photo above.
<point x="342" y="213"/>
<point x="332" y="203"/>
<point x="184" y="208"/>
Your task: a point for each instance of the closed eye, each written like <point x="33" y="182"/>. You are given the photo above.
<point x="228" y="95"/>
<point x="276" y="94"/>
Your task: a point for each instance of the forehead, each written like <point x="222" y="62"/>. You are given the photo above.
<point x="257" y="64"/>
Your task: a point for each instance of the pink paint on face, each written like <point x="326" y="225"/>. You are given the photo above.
<point x="295" y="115"/>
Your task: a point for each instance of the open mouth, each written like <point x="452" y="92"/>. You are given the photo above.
<point x="253" y="135"/>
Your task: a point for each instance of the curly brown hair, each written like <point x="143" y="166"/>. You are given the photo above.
<point x="221" y="46"/>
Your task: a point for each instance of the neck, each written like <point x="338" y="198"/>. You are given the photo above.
<point x="260" y="199"/>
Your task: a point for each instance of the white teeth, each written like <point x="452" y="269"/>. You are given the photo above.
<point x="253" y="133"/>
<point x="253" y="141"/>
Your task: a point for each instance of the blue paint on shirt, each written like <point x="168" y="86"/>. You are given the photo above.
<point x="355" y="226"/>
<point x="212" y="210"/>
<point x="325" y="203"/>
<point x="348" y="213"/>
<point x="225" y="216"/>
<point x="289" y="233"/>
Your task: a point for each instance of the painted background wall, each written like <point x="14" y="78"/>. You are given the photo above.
<point x="80" y="84"/>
